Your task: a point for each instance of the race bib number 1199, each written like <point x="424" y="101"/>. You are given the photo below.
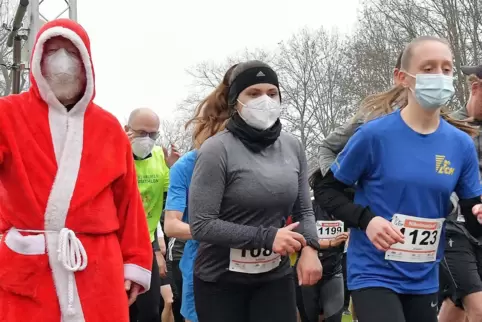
<point x="422" y="237"/>
<point x="329" y="229"/>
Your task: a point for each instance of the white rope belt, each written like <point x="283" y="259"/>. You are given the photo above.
<point x="71" y="253"/>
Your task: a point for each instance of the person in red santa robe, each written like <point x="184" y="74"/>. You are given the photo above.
<point x="76" y="245"/>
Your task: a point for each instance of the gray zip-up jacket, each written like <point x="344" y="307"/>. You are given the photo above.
<point x="335" y="142"/>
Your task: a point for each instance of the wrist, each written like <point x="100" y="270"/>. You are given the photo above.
<point x="309" y="249"/>
<point x="313" y="243"/>
<point x="270" y="237"/>
<point x="365" y="218"/>
<point x="324" y="243"/>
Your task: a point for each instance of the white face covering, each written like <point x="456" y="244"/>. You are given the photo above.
<point x="142" y="146"/>
<point x="63" y="74"/>
<point x="261" y="112"/>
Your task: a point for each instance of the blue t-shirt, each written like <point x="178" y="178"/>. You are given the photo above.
<point x="180" y="176"/>
<point x="179" y="180"/>
<point x="400" y="171"/>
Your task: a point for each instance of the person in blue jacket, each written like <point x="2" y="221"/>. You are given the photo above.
<point x="207" y="121"/>
<point x="404" y="167"/>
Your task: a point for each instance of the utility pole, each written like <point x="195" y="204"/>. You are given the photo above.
<point x="15" y="40"/>
<point x="37" y="19"/>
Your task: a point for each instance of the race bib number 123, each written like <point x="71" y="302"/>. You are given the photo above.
<point x="422" y="237"/>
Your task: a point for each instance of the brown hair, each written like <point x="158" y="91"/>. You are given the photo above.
<point x="212" y="112"/>
<point x="406" y="61"/>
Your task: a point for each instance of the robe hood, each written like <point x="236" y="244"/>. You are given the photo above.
<point x="74" y="32"/>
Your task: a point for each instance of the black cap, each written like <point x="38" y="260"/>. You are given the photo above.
<point x="472" y="70"/>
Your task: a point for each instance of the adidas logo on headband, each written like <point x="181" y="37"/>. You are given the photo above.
<point x="260" y="74"/>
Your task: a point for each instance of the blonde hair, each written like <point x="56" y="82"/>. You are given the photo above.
<point x="379" y="104"/>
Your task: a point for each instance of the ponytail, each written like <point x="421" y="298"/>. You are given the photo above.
<point x="379" y="104"/>
<point x="212" y="113"/>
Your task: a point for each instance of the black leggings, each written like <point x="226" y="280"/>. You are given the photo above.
<point x="146" y="307"/>
<point x="382" y="305"/>
<point x="272" y="301"/>
<point x="176" y="278"/>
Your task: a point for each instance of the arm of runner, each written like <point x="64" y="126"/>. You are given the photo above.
<point x="469" y="190"/>
<point x="160" y="239"/>
<point x="330" y="195"/>
<point x="334" y="143"/>
<point x="469" y="186"/>
<point x="205" y="196"/>
<point x="175" y="227"/>
<point x="354" y="163"/>
<point x="133" y="233"/>
<point x="350" y="165"/>
<point x="302" y="209"/>
<point x="176" y="204"/>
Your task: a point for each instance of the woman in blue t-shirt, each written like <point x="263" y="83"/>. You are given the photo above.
<point x="207" y="121"/>
<point x="405" y="166"/>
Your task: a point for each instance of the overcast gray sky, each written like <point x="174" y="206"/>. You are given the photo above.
<point x="141" y="49"/>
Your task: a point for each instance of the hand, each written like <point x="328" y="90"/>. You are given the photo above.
<point x="339" y="239"/>
<point x="288" y="241"/>
<point x="309" y="267"/>
<point x="130" y="135"/>
<point x="162" y="245"/>
<point x="477" y="211"/>
<point x="383" y="234"/>
<point x="161" y="263"/>
<point x="172" y="157"/>
<point x="133" y="289"/>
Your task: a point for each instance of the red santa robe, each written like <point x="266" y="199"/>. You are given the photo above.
<point x="72" y="170"/>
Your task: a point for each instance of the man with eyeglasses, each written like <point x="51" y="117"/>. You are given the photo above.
<point x="152" y="167"/>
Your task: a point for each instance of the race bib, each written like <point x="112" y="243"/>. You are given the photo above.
<point x="329" y="229"/>
<point x="254" y="261"/>
<point x="422" y="237"/>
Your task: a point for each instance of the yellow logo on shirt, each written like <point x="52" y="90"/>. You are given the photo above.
<point x="442" y="165"/>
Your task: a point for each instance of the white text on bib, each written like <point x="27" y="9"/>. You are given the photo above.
<point x="254" y="261"/>
<point x="422" y="237"/>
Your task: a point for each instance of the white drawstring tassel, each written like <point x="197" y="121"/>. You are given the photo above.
<point x="72" y="254"/>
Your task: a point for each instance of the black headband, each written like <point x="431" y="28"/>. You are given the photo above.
<point x="251" y="76"/>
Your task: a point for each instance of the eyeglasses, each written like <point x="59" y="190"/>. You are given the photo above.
<point x="142" y="133"/>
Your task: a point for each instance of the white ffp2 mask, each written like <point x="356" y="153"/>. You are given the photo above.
<point x="63" y="73"/>
<point x="142" y="146"/>
<point x="261" y="112"/>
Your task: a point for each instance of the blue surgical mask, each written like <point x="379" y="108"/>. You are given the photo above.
<point x="433" y="91"/>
